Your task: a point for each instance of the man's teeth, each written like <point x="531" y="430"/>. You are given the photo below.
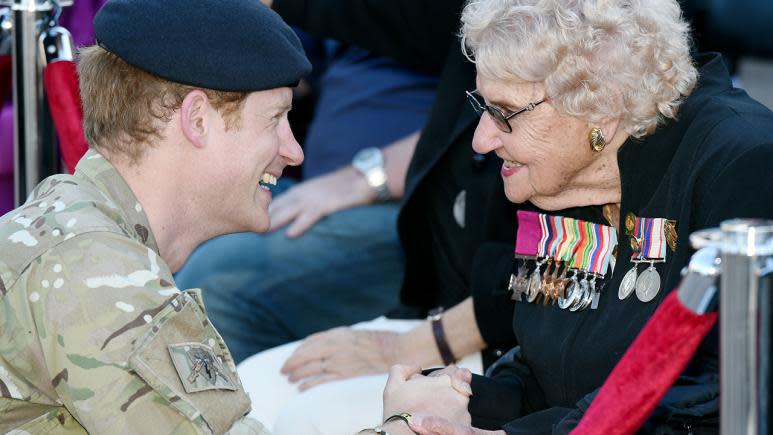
<point x="268" y="179"/>
<point x="512" y="164"/>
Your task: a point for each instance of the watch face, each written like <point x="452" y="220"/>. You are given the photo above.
<point x="368" y="158"/>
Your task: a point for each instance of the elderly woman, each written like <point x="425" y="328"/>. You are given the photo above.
<point x="584" y="102"/>
<point x="608" y="131"/>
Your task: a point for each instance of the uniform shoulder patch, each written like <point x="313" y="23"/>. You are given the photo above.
<point x="199" y="368"/>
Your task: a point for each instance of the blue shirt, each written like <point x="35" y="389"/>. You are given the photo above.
<point x="364" y="101"/>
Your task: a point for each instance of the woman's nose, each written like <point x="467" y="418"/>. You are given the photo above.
<point x="486" y="138"/>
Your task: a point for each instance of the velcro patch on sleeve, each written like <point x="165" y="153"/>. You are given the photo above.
<point x="199" y="368"/>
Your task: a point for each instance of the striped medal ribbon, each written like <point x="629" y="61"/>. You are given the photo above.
<point x="653" y="250"/>
<point x="649" y="245"/>
<point x="592" y="259"/>
<point x="560" y="246"/>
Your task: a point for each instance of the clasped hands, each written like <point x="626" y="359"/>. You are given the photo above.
<point x="438" y="402"/>
<point x="443" y="395"/>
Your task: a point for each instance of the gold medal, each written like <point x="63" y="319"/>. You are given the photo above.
<point x="635" y="244"/>
<point x="671" y="234"/>
<point x="562" y="282"/>
<point x="630" y="223"/>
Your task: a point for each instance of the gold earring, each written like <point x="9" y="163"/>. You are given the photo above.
<point x="596" y="138"/>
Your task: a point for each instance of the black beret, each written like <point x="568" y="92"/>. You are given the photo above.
<point x="226" y="45"/>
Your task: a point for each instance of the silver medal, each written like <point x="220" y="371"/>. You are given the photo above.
<point x="518" y="283"/>
<point x="628" y="284"/>
<point x="588" y="299"/>
<point x="585" y="288"/>
<point x="571" y="294"/>
<point x="522" y="280"/>
<point x="512" y="286"/>
<point x="596" y="293"/>
<point x="535" y="284"/>
<point x="648" y="284"/>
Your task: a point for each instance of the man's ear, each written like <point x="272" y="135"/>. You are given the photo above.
<point x="194" y="118"/>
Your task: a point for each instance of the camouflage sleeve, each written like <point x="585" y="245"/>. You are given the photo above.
<point x="127" y="351"/>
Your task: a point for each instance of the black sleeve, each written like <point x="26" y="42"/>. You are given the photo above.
<point x="415" y="32"/>
<point x="508" y="392"/>
<point x="494" y="401"/>
<point x="491" y="269"/>
<point x="540" y="423"/>
<point x="743" y="188"/>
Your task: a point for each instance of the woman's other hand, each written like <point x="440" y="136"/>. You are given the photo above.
<point x="341" y="353"/>
<point x="306" y="203"/>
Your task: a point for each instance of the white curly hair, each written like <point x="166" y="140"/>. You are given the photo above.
<point x="598" y="59"/>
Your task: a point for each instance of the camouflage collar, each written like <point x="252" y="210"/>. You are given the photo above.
<point x="95" y="168"/>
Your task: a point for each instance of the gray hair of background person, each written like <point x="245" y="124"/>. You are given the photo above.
<point x="598" y="59"/>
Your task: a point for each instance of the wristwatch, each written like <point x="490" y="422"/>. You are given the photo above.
<point x="370" y="163"/>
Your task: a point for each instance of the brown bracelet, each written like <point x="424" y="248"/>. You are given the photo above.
<point x="435" y="317"/>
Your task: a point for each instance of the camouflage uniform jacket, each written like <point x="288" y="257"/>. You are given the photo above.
<point x="94" y="335"/>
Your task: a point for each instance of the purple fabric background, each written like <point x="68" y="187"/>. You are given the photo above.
<point x="78" y="19"/>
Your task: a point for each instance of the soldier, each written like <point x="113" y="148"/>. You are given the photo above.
<point x="185" y="109"/>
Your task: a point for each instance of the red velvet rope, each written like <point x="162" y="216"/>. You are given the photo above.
<point x="61" y="82"/>
<point x="5" y="78"/>
<point x="647" y="370"/>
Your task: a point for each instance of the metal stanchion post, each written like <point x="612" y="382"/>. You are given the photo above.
<point x="35" y="154"/>
<point x="744" y="326"/>
<point x="746" y="248"/>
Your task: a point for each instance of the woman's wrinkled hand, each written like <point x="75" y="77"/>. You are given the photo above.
<point x="440" y="395"/>
<point x="341" y="353"/>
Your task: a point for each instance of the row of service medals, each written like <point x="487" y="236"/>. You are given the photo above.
<point x="649" y="239"/>
<point x="561" y="259"/>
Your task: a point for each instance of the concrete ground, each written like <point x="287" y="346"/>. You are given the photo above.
<point x="756" y="76"/>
